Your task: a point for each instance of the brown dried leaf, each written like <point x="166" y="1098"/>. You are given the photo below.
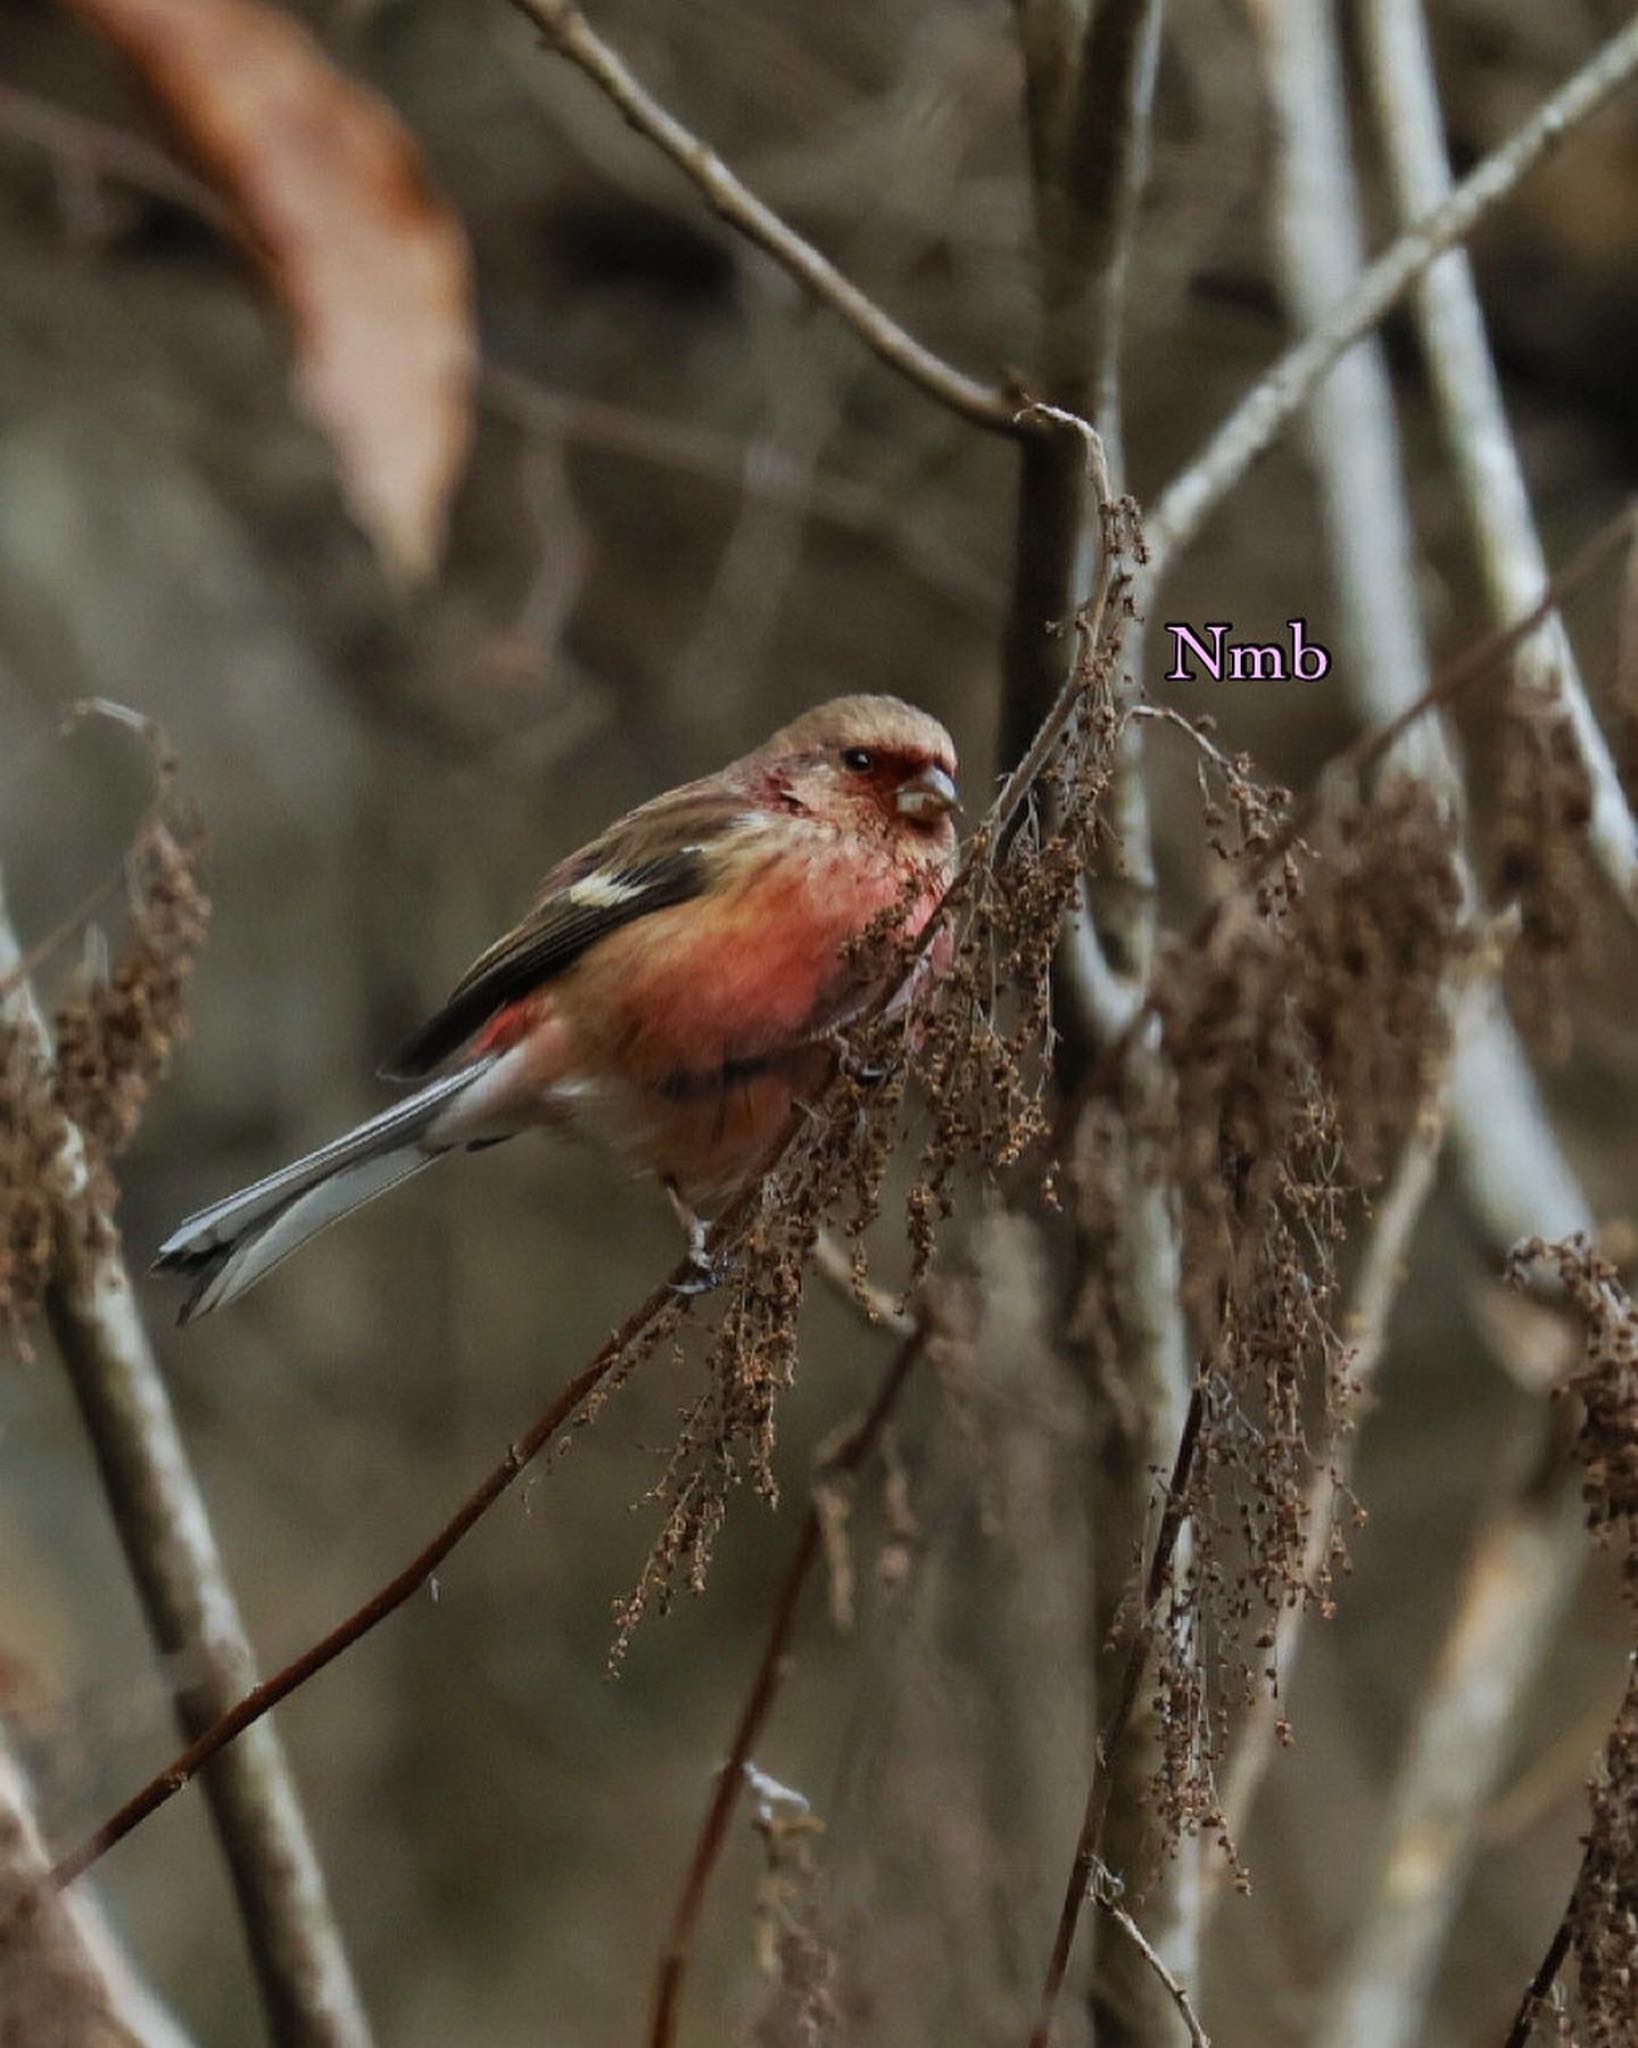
<point x="327" y="187"/>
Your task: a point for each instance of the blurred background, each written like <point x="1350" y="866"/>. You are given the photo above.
<point x="694" y="506"/>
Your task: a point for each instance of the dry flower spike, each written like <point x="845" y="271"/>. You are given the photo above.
<point x="1600" y="1924"/>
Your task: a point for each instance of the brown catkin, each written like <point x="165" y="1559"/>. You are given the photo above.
<point x="1603" y="1911"/>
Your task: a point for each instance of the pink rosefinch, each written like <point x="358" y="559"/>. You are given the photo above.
<point x="675" y="989"/>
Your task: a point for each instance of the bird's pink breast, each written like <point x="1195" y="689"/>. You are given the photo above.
<point x="681" y="1037"/>
<point x="754" y="968"/>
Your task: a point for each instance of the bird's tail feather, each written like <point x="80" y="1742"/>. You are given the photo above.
<point x="228" y="1247"/>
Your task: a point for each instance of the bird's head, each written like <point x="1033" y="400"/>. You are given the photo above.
<point x="875" y="763"/>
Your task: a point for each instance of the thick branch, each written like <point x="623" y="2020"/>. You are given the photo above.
<point x="163" y="1526"/>
<point x="1088" y="84"/>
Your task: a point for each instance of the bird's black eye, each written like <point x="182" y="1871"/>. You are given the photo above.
<point x="860" y="759"/>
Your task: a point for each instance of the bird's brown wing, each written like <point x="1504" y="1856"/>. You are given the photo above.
<point x="650" y="860"/>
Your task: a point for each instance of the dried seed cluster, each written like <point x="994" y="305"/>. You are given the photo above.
<point x="802" y="2010"/>
<point x="1541" y="860"/>
<point x="31" y="1139"/>
<point x="1603" y="1913"/>
<point x="1293" y="1045"/>
<point x="1606" y="1383"/>
<point x="114" y="1036"/>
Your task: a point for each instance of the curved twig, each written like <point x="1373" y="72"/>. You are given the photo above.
<point x="569" y="33"/>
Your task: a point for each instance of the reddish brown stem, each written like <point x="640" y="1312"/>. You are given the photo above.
<point x="262" y="1698"/>
<point x="1084" y="1868"/>
<point x="770" y="1675"/>
<point x="1534" y="2002"/>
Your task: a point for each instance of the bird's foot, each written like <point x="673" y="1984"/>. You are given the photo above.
<point x="705" y="1274"/>
<point x="706" y="1269"/>
<point x="869" y="1073"/>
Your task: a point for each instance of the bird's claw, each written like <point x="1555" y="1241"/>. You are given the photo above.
<point x="706" y="1269"/>
<point x="705" y="1273"/>
<point x="868" y="1073"/>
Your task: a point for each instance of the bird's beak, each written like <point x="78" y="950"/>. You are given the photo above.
<point x="929" y="794"/>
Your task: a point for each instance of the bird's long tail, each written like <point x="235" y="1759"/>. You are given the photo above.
<point x="228" y="1247"/>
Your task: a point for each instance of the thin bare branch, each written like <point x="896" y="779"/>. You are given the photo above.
<point x="160" y="1516"/>
<point x="568" y="32"/>
<point x="1113" y="1910"/>
<point x="1271" y="405"/>
<point x="833" y="1264"/>
<point x="761" y="473"/>
<point x="847" y="1459"/>
<point x="1538" y="1995"/>
<point x="1473" y="417"/>
<point x="82" y="145"/>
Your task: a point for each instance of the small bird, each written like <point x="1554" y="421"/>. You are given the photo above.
<point x="675" y="990"/>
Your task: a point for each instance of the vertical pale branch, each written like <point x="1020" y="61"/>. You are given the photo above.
<point x="1520" y="1575"/>
<point x="1500" y="1133"/>
<point x="1257" y="422"/>
<point x="1525" y="1563"/>
<point x="64" y="1982"/>
<point x="159" y="1513"/>
<point x="1473" y="418"/>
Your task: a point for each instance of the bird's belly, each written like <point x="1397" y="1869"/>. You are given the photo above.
<point x="711" y="1132"/>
